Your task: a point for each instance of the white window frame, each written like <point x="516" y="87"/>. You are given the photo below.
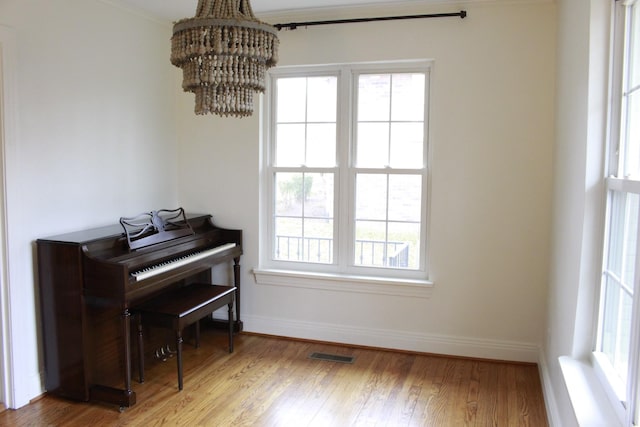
<point x="624" y="398"/>
<point x="341" y="276"/>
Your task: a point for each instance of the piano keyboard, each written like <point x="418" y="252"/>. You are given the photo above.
<point x="178" y="262"/>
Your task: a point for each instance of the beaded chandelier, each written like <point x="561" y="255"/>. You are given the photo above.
<point x="224" y="52"/>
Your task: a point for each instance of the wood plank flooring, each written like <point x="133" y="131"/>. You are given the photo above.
<point x="271" y="381"/>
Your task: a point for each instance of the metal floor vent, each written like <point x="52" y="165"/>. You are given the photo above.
<point x="332" y="357"/>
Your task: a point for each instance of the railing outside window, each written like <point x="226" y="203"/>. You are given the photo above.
<point x="320" y="250"/>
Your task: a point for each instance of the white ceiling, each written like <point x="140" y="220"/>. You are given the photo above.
<point x="173" y="10"/>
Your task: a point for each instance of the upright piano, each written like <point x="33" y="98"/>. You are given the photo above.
<point x="89" y="280"/>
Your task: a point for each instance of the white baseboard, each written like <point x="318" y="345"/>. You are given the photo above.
<point x="393" y="339"/>
<point x="550" y="402"/>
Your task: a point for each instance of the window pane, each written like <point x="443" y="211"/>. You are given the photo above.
<point x="304" y="217"/>
<point x="388" y="211"/>
<point x="306" y="122"/>
<point x="370" y="242"/>
<point x="287" y="241"/>
<point x="394" y="247"/>
<point x="408" y="97"/>
<point x="318" y="241"/>
<point x="632" y="135"/>
<point x="616" y="225"/>
<point x="321" y="145"/>
<point x="616" y="327"/>
<point x="374" y="95"/>
<point x="622" y="237"/>
<point x="288" y="194"/>
<point x="318" y="202"/>
<point x="391" y="137"/>
<point x="634" y="55"/>
<point x="323" y="95"/>
<point x="373" y="145"/>
<point x="290" y="141"/>
<point x="292" y="100"/>
<point x="404" y="245"/>
<point x="371" y="196"/>
<point x="405" y="193"/>
<point x="407" y="141"/>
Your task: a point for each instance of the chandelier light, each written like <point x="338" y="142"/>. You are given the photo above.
<point x="224" y="52"/>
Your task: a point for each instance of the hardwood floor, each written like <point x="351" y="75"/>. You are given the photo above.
<point x="272" y="382"/>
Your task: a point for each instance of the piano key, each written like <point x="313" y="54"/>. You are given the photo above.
<point x="178" y="262"/>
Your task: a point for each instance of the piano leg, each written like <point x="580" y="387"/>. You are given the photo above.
<point x="179" y="354"/>
<point x="140" y="350"/>
<point x="236" y="279"/>
<point x="126" y="323"/>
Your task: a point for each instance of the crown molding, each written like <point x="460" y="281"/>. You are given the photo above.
<point x="137" y="12"/>
<point x="386" y="9"/>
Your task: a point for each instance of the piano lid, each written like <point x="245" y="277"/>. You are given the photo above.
<point x="107" y="232"/>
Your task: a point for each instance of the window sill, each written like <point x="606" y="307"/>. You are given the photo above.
<point x="590" y="402"/>
<point x="344" y="283"/>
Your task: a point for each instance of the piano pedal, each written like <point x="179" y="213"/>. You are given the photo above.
<point x="161" y="355"/>
<point x="164" y="353"/>
<point x="168" y="351"/>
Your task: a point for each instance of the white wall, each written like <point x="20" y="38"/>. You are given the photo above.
<point x="94" y="140"/>
<point x="492" y="141"/>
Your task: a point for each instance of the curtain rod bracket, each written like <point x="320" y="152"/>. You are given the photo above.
<point x="294" y="25"/>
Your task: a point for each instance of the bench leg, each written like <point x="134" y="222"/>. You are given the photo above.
<point x="231" y="327"/>
<point x="140" y="349"/>
<point x="197" y="334"/>
<point x="179" y="357"/>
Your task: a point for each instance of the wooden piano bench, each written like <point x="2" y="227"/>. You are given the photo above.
<point x="180" y="308"/>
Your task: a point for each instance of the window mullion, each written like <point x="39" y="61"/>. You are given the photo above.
<point x="303" y="170"/>
<point x="389" y="121"/>
<point x="268" y="222"/>
<point x="622" y="185"/>
<point x="343" y="182"/>
<point x="632" y="90"/>
<point x="388" y="167"/>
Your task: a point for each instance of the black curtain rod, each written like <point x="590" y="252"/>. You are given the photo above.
<point x="293" y="25"/>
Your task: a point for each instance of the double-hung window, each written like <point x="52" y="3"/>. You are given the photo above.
<point x="617" y="350"/>
<point x="345" y="174"/>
